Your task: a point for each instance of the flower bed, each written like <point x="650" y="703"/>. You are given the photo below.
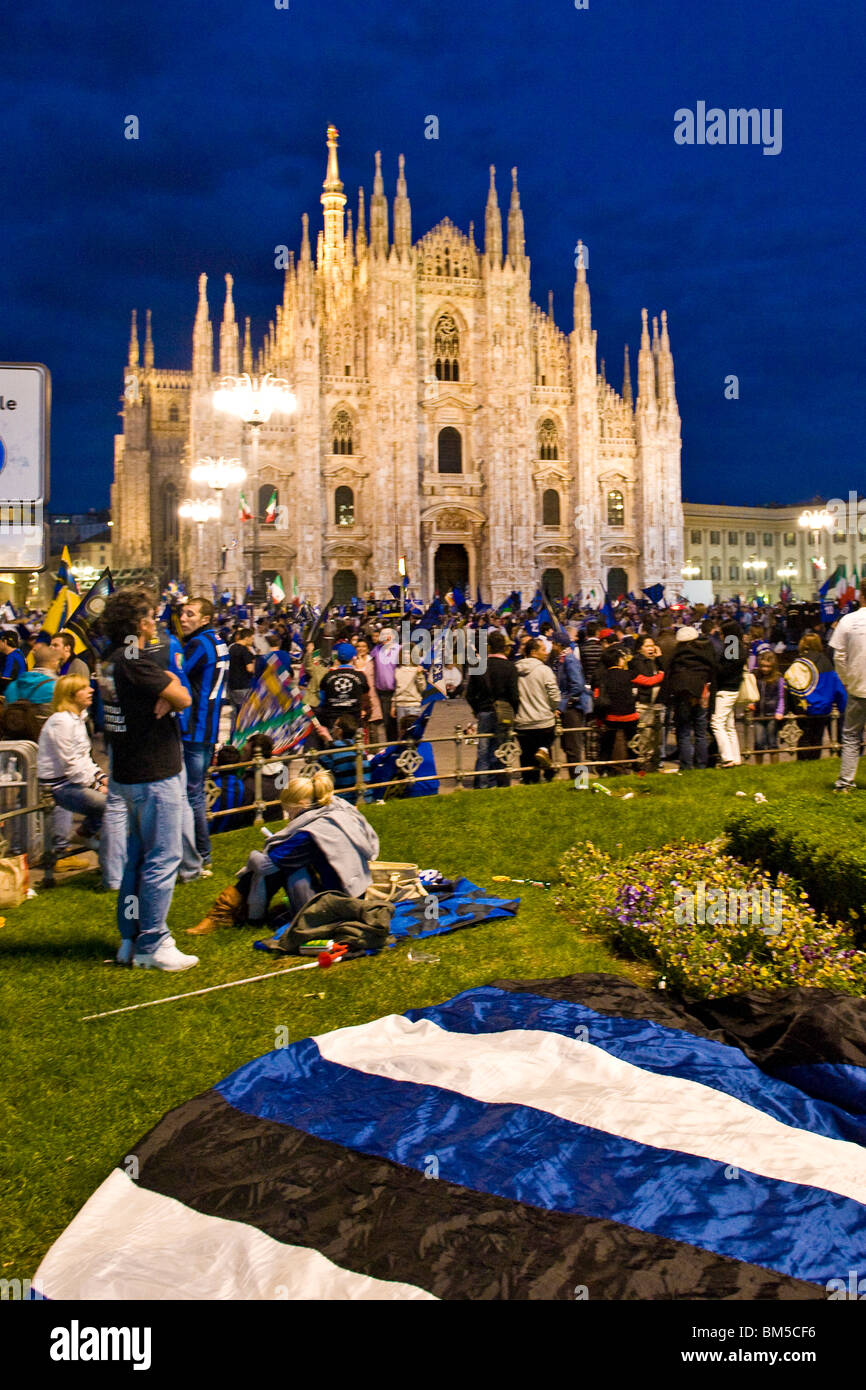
<point x="674" y="908"/>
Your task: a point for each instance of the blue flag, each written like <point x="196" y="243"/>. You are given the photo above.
<point x="655" y="593"/>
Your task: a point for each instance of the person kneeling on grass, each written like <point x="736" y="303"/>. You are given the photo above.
<point x="326" y="847"/>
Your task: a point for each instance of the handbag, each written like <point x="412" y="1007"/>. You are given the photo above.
<point x="748" y="693"/>
<point x="14" y="880"/>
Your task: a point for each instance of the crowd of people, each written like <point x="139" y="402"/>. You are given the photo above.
<point x="619" y="691"/>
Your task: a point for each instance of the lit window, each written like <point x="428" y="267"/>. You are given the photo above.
<point x="615" y="509"/>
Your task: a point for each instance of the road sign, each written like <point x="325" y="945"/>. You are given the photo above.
<point x="25" y="407"/>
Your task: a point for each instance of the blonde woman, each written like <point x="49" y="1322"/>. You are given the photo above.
<point x="64" y="763"/>
<point x="326" y="846"/>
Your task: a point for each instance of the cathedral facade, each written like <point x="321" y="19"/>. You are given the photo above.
<point x="441" y="417"/>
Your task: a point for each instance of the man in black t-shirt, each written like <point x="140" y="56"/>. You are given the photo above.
<point x="343" y="689"/>
<point x="242" y="660"/>
<point x="141" y="699"/>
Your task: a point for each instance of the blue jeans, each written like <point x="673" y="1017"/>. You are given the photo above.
<point x="486" y="763"/>
<point x="197" y="757"/>
<point x="153" y="852"/>
<point x="113" y="847"/>
<point x="690" y="721"/>
<point x="191" y="860"/>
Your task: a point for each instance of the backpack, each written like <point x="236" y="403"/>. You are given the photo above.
<point x="21" y="721"/>
<point x="360" y="925"/>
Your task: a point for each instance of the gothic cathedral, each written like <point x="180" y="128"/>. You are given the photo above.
<point x="441" y="416"/>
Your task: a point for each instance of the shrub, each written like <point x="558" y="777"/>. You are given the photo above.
<point x="638" y="905"/>
<point x="822" y="846"/>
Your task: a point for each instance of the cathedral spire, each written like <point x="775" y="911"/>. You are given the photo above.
<point x="202" y="337"/>
<point x="350" y="239"/>
<point x="402" y="213"/>
<point x="229" y="334"/>
<point x="550" y="305"/>
<point x="626" y="382"/>
<point x="333" y="202"/>
<point x="361" y="238"/>
<point x="305" y="271"/>
<point x="516" y="238"/>
<point x="646" y="386"/>
<point x="493" y="223"/>
<point x="248" y="351"/>
<point x="666" y="385"/>
<point x="133" y="340"/>
<point x="148" y="342"/>
<point x="582" y="312"/>
<point x="378" y="212"/>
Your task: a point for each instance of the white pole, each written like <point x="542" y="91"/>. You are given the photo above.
<point x="169" y="998"/>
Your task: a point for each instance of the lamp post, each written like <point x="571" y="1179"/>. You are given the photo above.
<point x="690" y="571"/>
<point x="786" y="573"/>
<point x="199" y="510"/>
<point x="254" y="400"/>
<point x="755" y="568"/>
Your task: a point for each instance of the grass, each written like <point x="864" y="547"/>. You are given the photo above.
<point x="75" y="1096"/>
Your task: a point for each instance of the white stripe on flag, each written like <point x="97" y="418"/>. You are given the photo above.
<point x="128" y="1242"/>
<point x="587" y="1086"/>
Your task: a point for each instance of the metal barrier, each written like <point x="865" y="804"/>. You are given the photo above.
<point x="22" y="810"/>
<point x="648" y="743"/>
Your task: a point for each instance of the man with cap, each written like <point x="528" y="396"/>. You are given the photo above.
<point x="688" y="690"/>
<point x="344" y="689"/>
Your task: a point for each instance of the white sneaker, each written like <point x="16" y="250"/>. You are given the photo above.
<point x="165" y="957"/>
<point x="126" y="952"/>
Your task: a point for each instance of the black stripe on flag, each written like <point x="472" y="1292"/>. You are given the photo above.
<point x="793" y="1027"/>
<point x="390" y="1222"/>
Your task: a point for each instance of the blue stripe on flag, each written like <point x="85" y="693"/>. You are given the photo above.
<point x="534" y="1157"/>
<point x="651" y="1046"/>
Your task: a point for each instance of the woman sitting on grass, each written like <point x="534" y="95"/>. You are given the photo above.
<point x="327" y="846"/>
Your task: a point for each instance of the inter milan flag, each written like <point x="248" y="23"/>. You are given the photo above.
<point x="89" y="611"/>
<point x="585" y="1135"/>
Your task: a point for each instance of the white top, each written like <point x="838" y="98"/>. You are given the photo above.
<point x="848" y="645"/>
<point x="849" y="651"/>
<point x="64" y="750"/>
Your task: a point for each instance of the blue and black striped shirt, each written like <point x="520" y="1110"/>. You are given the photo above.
<point x="206" y="664"/>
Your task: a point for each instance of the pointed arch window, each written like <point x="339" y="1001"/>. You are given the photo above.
<point x="344" y="506"/>
<point x="615" y="508"/>
<point x="548" y="439"/>
<point x="550" y="508"/>
<point x="169" y="514"/>
<point x="173" y="414"/>
<point x="342" y="432"/>
<point x="268" y="504"/>
<point x="450" y="450"/>
<point x="446" y="349"/>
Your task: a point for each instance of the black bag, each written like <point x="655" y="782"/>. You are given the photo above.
<point x="602" y="701"/>
<point x="503" y="712"/>
<point x="22" y="720"/>
<point x="349" y="921"/>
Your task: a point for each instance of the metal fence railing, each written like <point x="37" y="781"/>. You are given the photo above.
<point x="26" y="810"/>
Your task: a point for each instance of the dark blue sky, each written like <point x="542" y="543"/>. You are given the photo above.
<point x="758" y="259"/>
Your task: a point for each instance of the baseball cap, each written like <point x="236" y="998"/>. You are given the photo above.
<point x="345" y="652"/>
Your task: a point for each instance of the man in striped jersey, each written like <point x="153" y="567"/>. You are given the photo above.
<point x="206" y="661"/>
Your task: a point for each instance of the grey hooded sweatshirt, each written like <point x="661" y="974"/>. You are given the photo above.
<point x="539" y="694"/>
<point x="343" y="836"/>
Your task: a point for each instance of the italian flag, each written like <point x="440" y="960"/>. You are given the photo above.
<point x="848" y="589"/>
<point x="278" y="593"/>
<point x="271" y="512"/>
<point x="244" y="513"/>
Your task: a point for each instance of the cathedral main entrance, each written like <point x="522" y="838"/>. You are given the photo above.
<point x="451" y="568"/>
<point x="552" y="583"/>
<point x="617" y="584"/>
<point x="345" y="586"/>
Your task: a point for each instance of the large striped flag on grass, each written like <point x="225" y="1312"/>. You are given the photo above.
<point x="557" y="1139"/>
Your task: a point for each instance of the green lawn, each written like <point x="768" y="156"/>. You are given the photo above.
<point x="75" y="1096"/>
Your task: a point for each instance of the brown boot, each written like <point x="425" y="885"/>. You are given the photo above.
<point x="228" y="910"/>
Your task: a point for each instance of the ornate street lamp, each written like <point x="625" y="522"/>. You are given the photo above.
<point x="200" y="510"/>
<point x="690" y="571"/>
<point x="218" y="474"/>
<point x="254" y="400"/>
